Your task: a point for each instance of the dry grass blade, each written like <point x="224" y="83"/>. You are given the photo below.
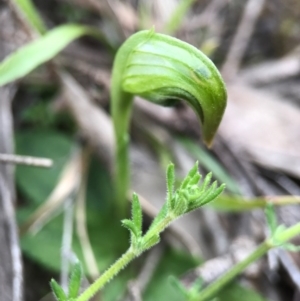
<point x="93" y="122"/>
<point x="81" y="223"/>
<point x="65" y="187"/>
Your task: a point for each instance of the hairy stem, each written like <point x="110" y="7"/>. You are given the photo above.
<point x="120" y="264"/>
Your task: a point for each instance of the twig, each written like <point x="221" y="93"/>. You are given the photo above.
<point x="65" y="188"/>
<point x="13" y="240"/>
<point x="66" y="248"/>
<point x="241" y="39"/>
<point x="82" y="232"/>
<point x="25" y="160"/>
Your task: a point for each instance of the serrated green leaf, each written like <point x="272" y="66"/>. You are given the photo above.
<point x="75" y="280"/>
<point x="181" y="206"/>
<point x="206" y="182"/>
<point x="127" y="223"/>
<point x="195" y="179"/>
<point x="137" y="215"/>
<point x="30" y="56"/>
<point x="58" y="291"/>
<point x="211" y="196"/>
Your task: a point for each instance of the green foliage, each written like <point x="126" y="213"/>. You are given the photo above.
<point x="75" y="280"/>
<point x="58" y="292"/>
<point x="73" y="288"/>
<point x="173" y="263"/>
<point x="188" y="194"/>
<point x="188" y="197"/>
<point x="36" y="184"/>
<point x="30" y="56"/>
<point x="278" y="232"/>
<point x="32" y="15"/>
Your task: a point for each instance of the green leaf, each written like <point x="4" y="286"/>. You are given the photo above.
<point x="195" y="179"/>
<point x="206" y="182"/>
<point x="30" y="56"/>
<point x="37" y="183"/>
<point x="32" y="15"/>
<point x="127" y="223"/>
<point x="75" y="280"/>
<point x="291" y="247"/>
<point x="137" y="214"/>
<point x="58" y="291"/>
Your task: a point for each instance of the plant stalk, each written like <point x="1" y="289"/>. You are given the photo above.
<point x="120" y="264"/>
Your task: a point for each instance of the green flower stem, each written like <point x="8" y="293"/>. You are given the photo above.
<point x="107" y="276"/>
<point x="121" y="103"/>
<point x="162" y="70"/>
<point x="270" y="243"/>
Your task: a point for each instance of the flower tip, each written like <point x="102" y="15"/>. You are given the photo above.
<point x="208" y="141"/>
